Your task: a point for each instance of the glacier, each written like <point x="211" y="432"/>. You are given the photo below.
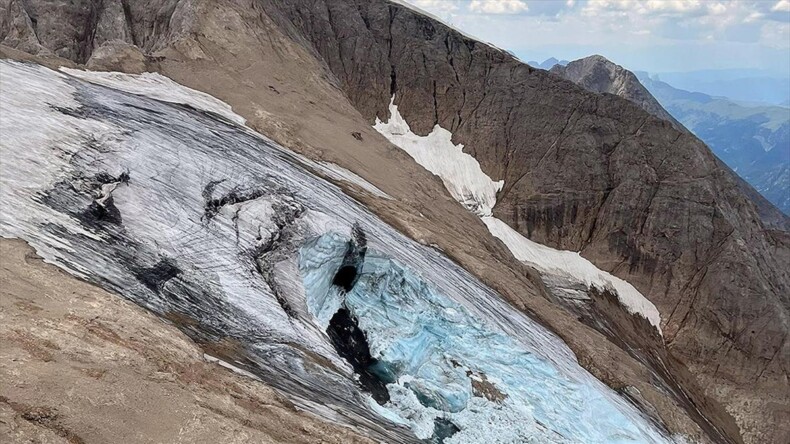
<point x="175" y="205"/>
<point x="442" y="363"/>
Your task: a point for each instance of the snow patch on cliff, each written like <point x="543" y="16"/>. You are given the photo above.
<point x="571" y="264"/>
<point x="468" y="184"/>
<point x="459" y="171"/>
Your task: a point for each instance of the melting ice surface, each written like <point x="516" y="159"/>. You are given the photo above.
<point x="194" y="216"/>
<point x="469" y="185"/>
<point x="442" y="362"/>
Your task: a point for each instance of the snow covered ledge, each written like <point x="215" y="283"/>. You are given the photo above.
<point x="459" y="171"/>
<point x="467" y="183"/>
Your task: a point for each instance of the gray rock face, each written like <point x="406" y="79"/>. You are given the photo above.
<point x="583" y="171"/>
<point x="597" y="74"/>
<point x="72" y="29"/>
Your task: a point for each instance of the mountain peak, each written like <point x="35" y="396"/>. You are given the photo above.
<point x="598" y="74"/>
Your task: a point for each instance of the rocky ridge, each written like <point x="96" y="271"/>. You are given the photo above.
<point x="597" y="74"/>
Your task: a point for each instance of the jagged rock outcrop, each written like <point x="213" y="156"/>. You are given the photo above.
<point x="597" y="74"/>
<point x="74" y="29"/>
<point x="582" y="171"/>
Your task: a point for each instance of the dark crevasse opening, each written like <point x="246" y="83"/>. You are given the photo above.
<point x="352" y="345"/>
<point x="348" y="339"/>
<point x="345" y="277"/>
<point x="353" y="259"/>
<point x="442" y="429"/>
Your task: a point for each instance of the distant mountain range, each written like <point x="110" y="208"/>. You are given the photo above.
<point x="752" y="139"/>
<point x="548" y="63"/>
<point x="745" y="85"/>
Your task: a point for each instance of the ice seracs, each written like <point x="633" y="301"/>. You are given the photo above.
<point x="467" y="183"/>
<point x="448" y="372"/>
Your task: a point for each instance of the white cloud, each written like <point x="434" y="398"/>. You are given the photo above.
<point x="498" y="6"/>
<point x="655" y="7"/>
<point x="648" y="34"/>
<point x="681" y="6"/>
<point x="436" y="6"/>
<point x="717" y="8"/>
<point x="781" y="6"/>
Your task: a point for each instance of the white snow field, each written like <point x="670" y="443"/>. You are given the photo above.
<point x="188" y="214"/>
<point x="468" y="184"/>
<point x="460" y="172"/>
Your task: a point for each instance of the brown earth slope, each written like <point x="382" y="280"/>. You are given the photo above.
<point x="582" y="171"/>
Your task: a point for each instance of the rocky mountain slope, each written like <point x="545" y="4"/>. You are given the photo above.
<point x="584" y="172"/>
<point x="156" y="191"/>
<point x="602" y="177"/>
<point x="753" y="140"/>
<point x="733" y="137"/>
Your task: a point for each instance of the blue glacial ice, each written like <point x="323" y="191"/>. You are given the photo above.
<point x="442" y="362"/>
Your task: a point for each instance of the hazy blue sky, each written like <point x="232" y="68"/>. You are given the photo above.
<point x="651" y="35"/>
